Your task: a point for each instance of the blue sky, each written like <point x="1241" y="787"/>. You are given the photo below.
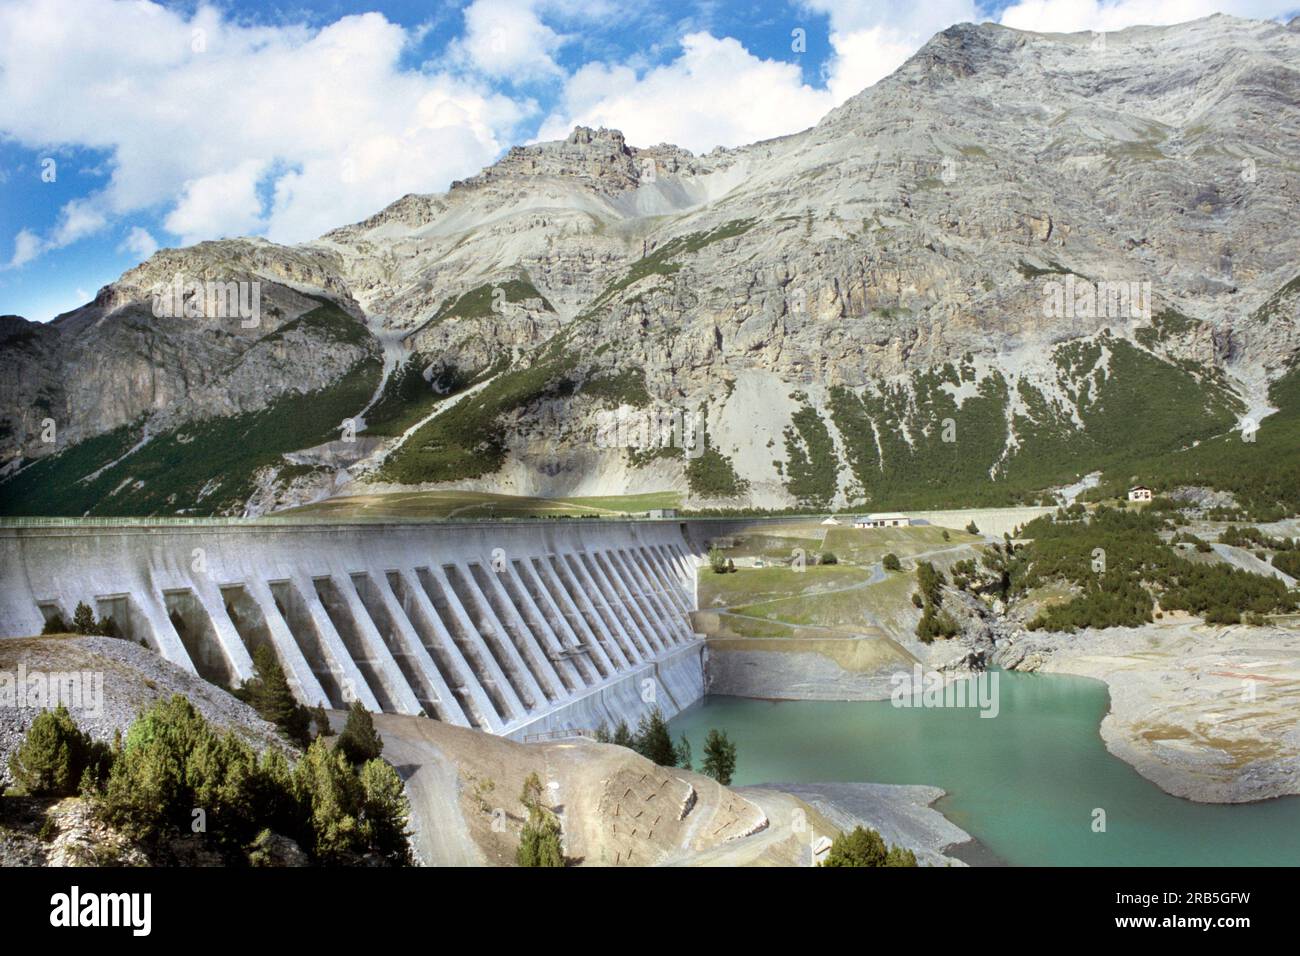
<point x="127" y="126"/>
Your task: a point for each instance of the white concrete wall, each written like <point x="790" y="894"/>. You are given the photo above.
<point x="512" y="627"/>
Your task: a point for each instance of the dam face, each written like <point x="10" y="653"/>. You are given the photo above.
<point x="512" y="628"/>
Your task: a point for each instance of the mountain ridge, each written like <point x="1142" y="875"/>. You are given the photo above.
<point x="874" y="273"/>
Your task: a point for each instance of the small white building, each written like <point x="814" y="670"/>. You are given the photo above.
<point x="1139" y="493"/>
<point x="661" y="513"/>
<point x="883" y="519"/>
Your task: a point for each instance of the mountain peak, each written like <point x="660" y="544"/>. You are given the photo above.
<point x="586" y="136"/>
<point x="599" y="158"/>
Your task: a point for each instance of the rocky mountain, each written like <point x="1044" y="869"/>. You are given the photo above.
<point x="1019" y="259"/>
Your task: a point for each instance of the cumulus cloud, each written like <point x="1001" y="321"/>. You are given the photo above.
<point x="27" y="246"/>
<point x="219" y="204"/>
<point x="716" y="93"/>
<point x="229" y="128"/>
<point x="871" y="40"/>
<point x="77" y="219"/>
<point x="139" y="242"/>
<point x="507" y="39"/>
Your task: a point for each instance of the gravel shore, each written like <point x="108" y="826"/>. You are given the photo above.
<point x="900" y="814"/>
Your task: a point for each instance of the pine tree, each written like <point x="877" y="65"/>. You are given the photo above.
<point x="53" y="756"/>
<point x="271" y="697"/>
<point x="539" y="841"/>
<point x="684" y="753"/>
<point x="898" y="856"/>
<point x="386" y="811"/>
<point x="333" y="799"/>
<point x="359" y="742"/>
<point x="864" y="847"/>
<point x="653" y="741"/>
<point x="719" y="757"/>
<point x="320" y="720"/>
<point x="623" y="735"/>
<point x="83" y="619"/>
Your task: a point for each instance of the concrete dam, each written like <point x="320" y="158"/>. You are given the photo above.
<point x="513" y="628"/>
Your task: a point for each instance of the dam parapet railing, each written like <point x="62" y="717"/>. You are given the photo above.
<point x="998" y="519"/>
<point x="264" y="521"/>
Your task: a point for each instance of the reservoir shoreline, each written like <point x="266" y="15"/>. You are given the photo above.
<point x="1040" y="785"/>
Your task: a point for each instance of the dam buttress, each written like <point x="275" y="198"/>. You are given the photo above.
<point x="514" y="628"/>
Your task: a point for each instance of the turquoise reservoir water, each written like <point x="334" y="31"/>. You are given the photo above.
<point x="1025" y="783"/>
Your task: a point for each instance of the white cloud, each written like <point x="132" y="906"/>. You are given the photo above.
<point x="219" y="204"/>
<point x="871" y="40"/>
<point x="27" y="246"/>
<point x="862" y="57"/>
<point x="229" y="128"/>
<point x="139" y="242"/>
<point x="507" y="38"/>
<point x="78" y="219"/>
<point x="716" y="93"/>
<point x="222" y="128"/>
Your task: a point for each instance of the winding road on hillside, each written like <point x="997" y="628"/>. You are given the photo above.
<point x="878" y="575"/>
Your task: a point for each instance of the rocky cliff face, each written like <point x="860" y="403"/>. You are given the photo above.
<point x="1019" y="257"/>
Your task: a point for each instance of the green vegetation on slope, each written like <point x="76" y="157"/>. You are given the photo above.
<point x="924" y="450"/>
<point x="478" y="302"/>
<point x="1271" y="308"/>
<point x="1120" y="566"/>
<point x="896" y="442"/>
<point x="1264" y="474"/>
<point x="660" y="262"/>
<point x="469" y="440"/>
<point x="327" y="323"/>
<point x="812" y="468"/>
<point x="203" y="467"/>
<point x="712" y="475"/>
<point x="173" y="761"/>
<point x="626" y="387"/>
<point x="408" y="397"/>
